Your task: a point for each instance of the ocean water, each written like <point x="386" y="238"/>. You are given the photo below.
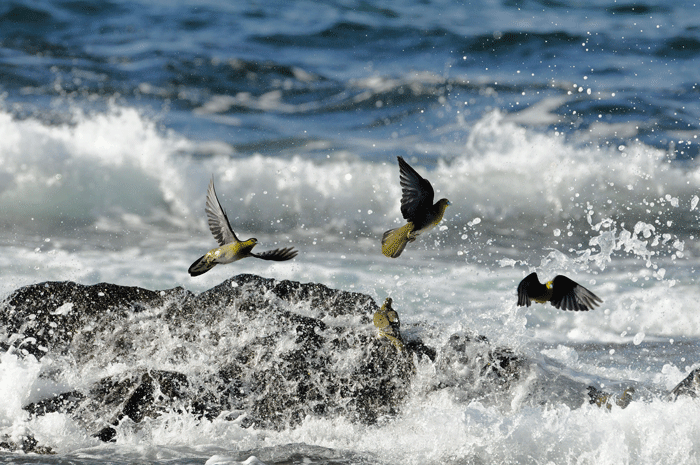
<point x="565" y="134"/>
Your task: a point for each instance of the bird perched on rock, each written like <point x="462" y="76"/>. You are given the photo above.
<point x="230" y="247"/>
<point x="387" y="321"/>
<point x="416" y="207"/>
<point x="561" y="292"/>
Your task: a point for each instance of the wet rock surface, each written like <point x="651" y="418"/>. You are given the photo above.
<point x="261" y="352"/>
<point x="275" y="352"/>
<point x="689" y="387"/>
<point x="58" y="317"/>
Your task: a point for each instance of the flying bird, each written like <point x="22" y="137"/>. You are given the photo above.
<point x="561" y="292"/>
<point x="416" y="207"/>
<point x="230" y="248"/>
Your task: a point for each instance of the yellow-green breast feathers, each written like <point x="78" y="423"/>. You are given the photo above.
<point x="439" y="208"/>
<point x="225" y="254"/>
<point x="387" y="322"/>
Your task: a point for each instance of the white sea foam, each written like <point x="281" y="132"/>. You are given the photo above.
<point x="135" y="194"/>
<point x="436" y="430"/>
<point x="120" y="165"/>
<point x="121" y="173"/>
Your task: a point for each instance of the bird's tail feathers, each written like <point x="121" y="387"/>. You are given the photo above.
<point x="395" y="240"/>
<point x="201" y="266"/>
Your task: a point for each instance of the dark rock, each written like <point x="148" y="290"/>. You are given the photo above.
<point x="690" y="386"/>
<point x="604" y="399"/>
<point x="261" y="352"/>
<point x="469" y="361"/>
<point x="66" y="402"/>
<point x="136" y="395"/>
<point x="421" y="349"/>
<point x="52" y="316"/>
<point x="323" y="300"/>
<point x="26" y="444"/>
<point x="264" y="352"/>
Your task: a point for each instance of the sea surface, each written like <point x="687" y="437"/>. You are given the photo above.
<point x="564" y="132"/>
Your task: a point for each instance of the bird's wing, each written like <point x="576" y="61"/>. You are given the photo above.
<point x="218" y="221"/>
<point x="416" y="192"/>
<point x="569" y="295"/>
<point x="278" y="255"/>
<point x="523" y="295"/>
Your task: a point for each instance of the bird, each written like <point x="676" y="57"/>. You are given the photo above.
<point x="387" y="321"/>
<point x="230" y="248"/>
<point x="416" y="207"/>
<point x="561" y="292"/>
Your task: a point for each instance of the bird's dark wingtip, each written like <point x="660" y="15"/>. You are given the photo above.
<point x="278" y="255"/>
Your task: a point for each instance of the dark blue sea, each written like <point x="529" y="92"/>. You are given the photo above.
<point x="564" y="133"/>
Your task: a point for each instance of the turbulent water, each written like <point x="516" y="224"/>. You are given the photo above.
<point x="564" y="133"/>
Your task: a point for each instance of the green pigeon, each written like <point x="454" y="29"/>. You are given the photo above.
<point x="561" y="292"/>
<point x="416" y="207"/>
<point x="230" y="248"/>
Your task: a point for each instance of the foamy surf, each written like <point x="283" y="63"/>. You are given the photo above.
<point x="114" y="195"/>
<point x="121" y="166"/>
